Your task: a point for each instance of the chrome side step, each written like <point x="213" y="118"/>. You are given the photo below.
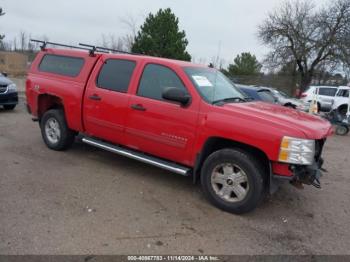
<point x="170" y="166"/>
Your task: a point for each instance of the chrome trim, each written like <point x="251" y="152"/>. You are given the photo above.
<point x="145" y="159"/>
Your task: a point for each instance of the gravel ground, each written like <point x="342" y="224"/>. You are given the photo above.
<point x="86" y="201"/>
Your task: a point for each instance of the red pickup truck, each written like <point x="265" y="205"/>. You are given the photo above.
<point x="186" y="118"/>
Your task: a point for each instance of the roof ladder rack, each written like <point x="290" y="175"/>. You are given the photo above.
<point x="104" y="49"/>
<point x="91" y="50"/>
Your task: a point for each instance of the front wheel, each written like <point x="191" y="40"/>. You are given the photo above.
<point x="233" y="181"/>
<point x="342" y="130"/>
<point x="54" y="130"/>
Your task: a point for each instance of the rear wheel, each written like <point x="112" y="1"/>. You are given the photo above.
<point x="342" y="130"/>
<point x="233" y="181"/>
<point x="54" y="130"/>
<point x="9" y="107"/>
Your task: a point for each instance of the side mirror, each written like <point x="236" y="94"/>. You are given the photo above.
<point x="4" y="74"/>
<point x="177" y="95"/>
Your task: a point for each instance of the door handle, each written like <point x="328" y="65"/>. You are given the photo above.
<point x="138" y="107"/>
<point x="95" y="97"/>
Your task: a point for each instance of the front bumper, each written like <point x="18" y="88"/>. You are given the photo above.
<point x="9" y="98"/>
<point x="298" y="174"/>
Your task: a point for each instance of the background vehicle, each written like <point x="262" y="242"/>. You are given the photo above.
<point x="285" y="100"/>
<point x="342" y="100"/>
<point x="185" y="118"/>
<point x="258" y="93"/>
<point x="8" y="93"/>
<point x="326" y="96"/>
<point x="340" y="122"/>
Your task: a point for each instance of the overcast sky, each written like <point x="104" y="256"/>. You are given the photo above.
<point x="226" y="25"/>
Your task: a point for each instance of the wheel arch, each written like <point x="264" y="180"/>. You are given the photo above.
<point x="213" y="144"/>
<point x="289" y="104"/>
<point x="47" y="102"/>
<point x="341" y="107"/>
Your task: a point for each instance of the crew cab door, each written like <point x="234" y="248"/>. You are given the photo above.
<point x="159" y="127"/>
<point x="342" y="97"/>
<point x="106" y="99"/>
<point x="326" y="96"/>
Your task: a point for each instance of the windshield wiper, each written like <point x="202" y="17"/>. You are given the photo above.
<point x="229" y="99"/>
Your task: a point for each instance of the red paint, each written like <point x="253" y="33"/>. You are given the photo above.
<point x="281" y="169"/>
<point x="165" y="129"/>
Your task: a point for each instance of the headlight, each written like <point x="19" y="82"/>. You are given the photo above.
<point x="297" y="151"/>
<point x="12" y="88"/>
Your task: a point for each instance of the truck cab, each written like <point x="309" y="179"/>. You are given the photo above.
<point x="183" y="117"/>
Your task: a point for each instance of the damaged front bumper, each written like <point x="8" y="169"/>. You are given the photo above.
<point x="300" y="175"/>
<point x="308" y="175"/>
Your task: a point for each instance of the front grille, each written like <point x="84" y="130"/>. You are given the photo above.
<point x="3" y="89"/>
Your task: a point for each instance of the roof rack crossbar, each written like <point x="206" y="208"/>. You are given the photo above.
<point x="45" y="43"/>
<point x="100" y="48"/>
<point x="91" y="48"/>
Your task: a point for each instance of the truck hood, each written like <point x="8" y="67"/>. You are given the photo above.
<point x="285" y="118"/>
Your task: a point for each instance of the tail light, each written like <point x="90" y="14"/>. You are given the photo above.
<point x="303" y="95"/>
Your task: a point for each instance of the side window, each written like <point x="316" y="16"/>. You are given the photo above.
<point x="61" y="65"/>
<point x="155" y="79"/>
<point x="115" y="75"/>
<point x="327" y="91"/>
<point x="343" y="93"/>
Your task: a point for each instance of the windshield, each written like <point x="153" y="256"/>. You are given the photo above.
<point x="213" y="85"/>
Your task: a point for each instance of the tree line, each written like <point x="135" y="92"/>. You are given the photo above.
<point x="306" y="42"/>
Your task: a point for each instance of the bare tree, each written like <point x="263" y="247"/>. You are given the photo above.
<point x="1" y="14"/>
<point x="130" y="23"/>
<point x="23" y="41"/>
<point x="298" y="32"/>
<point x="113" y="42"/>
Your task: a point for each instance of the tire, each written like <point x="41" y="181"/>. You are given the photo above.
<point x="343" y="110"/>
<point x="225" y="197"/>
<point x="54" y="130"/>
<point x="342" y="130"/>
<point x="9" y="107"/>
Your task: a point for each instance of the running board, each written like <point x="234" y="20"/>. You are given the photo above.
<point x="170" y="166"/>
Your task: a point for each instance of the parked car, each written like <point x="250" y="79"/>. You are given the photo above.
<point x="326" y="96"/>
<point x="8" y="93"/>
<point x="186" y="118"/>
<point x="342" y="100"/>
<point x="258" y="93"/>
<point x="285" y="100"/>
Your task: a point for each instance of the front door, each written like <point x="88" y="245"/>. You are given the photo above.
<point x="159" y="127"/>
<point x="106" y="100"/>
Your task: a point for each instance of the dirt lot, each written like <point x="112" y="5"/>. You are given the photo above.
<point x="90" y="201"/>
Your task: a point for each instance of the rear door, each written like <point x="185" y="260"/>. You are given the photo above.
<point x="159" y="127"/>
<point x="106" y="99"/>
